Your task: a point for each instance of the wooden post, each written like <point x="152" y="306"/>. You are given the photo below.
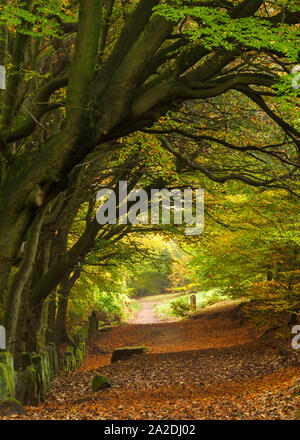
<point x="193" y="301"/>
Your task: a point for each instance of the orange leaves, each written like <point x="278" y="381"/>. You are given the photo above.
<point x="206" y="368"/>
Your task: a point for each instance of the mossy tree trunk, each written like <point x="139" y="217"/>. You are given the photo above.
<point x="15" y="293"/>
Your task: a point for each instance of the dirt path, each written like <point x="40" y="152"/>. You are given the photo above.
<point x="206" y="368"/>
<point x="146" y="314"/>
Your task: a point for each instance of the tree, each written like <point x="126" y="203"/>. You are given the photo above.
<point x="67" y="96"/>
<point x="256" y="255"/>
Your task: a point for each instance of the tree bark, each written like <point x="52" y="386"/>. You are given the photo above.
<point x="16" y="289"/>
<point x="61" y="318"/>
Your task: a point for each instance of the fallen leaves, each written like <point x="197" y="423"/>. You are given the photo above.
<point x="195" y="369"/>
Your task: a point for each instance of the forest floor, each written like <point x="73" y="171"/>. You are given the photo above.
<point x="211" y="367"/>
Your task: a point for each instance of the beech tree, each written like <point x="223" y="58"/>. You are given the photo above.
<point x="81" y="75"/>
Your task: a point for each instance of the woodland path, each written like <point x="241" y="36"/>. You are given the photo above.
<point x="205" y="368"/>
<point x="146" y="314"/>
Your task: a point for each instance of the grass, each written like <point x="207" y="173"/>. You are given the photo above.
<point x="133" y="307"/>
<point x="161" y="297"/>
<point x="203" y="299"/>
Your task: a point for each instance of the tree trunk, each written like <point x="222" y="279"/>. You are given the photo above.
<point x="50" y="332"/>
<point x="22" y="330"/>
<point x="45" y="309"/>
<point x="14" y="295"/>
<point x="62" y="308"/>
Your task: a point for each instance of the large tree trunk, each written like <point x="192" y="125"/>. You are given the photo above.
<point x="44" y="314"/>
<point x="51" y="318"/>
<point x="36" y="317"/>
<point x="11" y="235"/>
<point x="22" y="330"/>
<point x="60" y="153"/>
<point x="12" y="309"/>
<point x="62" y="308"/>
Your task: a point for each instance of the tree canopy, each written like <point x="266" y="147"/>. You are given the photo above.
<point x="161" y="93"/>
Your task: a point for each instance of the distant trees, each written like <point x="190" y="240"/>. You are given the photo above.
<point x="255" y="255"/>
